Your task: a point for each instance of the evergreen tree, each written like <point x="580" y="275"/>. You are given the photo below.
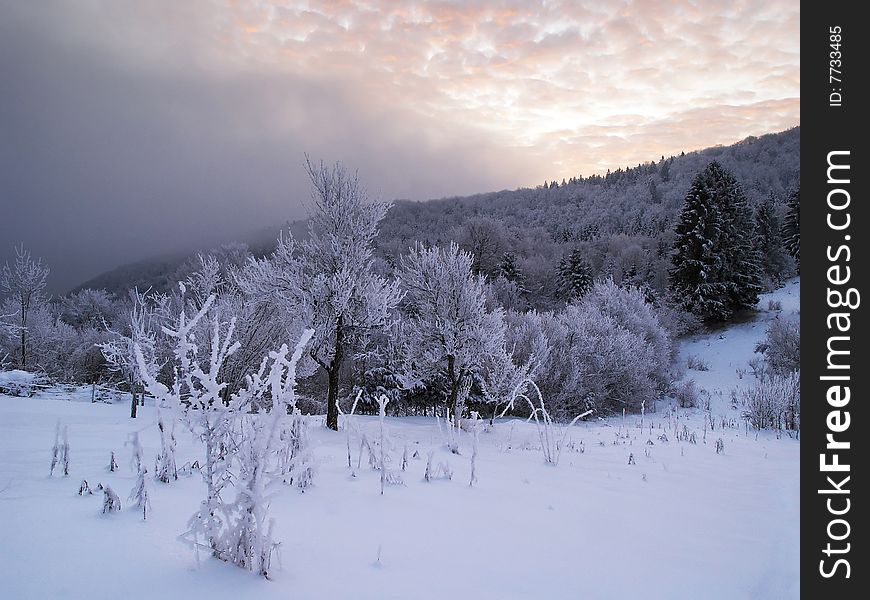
<point x="770" y="247"/>
<point x="575" y="274"/>
<point x="508" y="267"/>
<point x="716" y="264"/>
<point x="791" y="229"/>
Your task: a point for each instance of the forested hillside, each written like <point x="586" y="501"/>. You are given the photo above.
<point x="621" y="223"/>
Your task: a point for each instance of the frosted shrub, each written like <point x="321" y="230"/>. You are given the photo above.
<point x="696" y="363"/>
<point x="773" y="403"/>
<point x="297" y="460"/>
<point x="596" y="362"/>
<point x="113" y="464"/>
<point x="686" y="394"/>
<point x="630" y="309"/>
<point x="782" y="347"/>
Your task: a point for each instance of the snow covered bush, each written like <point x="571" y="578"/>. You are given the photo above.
<point x="782" y="345"/>
<point x="630" y="309"/>
<point x="774" y="402"/>
<point x="242" y="435"/>
<point x="685" y="393"/>
<point x="20" y="383"/>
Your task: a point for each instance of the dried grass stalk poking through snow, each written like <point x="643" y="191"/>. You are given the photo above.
<point x="60" y="450"/>
<point x="551" y="434"/>
<point x="140" y="495"/>
<point x="475" y="432"/>
<point x="165" y="469"/>
<point x="387" y="475"/>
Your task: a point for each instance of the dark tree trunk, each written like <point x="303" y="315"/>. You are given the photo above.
<point x="135" y="403"/>
<point x="23" y="338"/>
<point x="333" y="372"/>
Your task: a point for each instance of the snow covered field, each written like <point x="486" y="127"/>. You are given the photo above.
<point x="681" y="522"/>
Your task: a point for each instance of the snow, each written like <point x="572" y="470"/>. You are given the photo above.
<point x="683" y="522"/>
<point x="16" y="377"/>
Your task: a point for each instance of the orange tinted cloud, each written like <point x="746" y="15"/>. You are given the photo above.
<point x="576" y="87"/>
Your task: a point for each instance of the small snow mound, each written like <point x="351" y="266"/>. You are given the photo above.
<point x="18" y="383"/>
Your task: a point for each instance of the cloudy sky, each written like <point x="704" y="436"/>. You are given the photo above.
<point x="129" y="129"/>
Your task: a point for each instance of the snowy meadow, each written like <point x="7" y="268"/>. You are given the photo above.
<point x="636" y="506"/>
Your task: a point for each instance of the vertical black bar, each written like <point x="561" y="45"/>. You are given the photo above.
<point x="835" y="227"/>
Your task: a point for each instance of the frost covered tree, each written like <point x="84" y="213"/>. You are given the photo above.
<point x="146" y="316"/>
<point x="791" y="227"/>
<point x="715" y="262"/>
<point x="629" y="308"/>
<point x="328" y="277"/>
<point x="450" y="333"/>
<point x="24" y="282"/>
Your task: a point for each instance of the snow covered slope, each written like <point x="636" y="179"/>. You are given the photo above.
<point x="680" y="522"/>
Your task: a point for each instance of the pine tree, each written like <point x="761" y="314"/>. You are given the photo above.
<point x="575" y="274"/>
<point x="770" y="246"/>
<point x="716" y="264"/>
<point x="791" y="228"/>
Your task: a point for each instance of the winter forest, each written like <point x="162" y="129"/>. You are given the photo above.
<point x="515" y="377"/>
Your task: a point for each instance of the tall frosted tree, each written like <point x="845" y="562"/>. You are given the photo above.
<point x="791" y="228"/>
<point x="23" y="282"/>
<point x="450" y="334"/>
<point x="328" y="277"/>
<point x="715" y="262"/>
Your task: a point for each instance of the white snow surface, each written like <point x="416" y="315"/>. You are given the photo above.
<point x="683" y="522"/>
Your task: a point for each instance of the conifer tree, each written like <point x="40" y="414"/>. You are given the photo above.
<point x="716" y="263"/>
<point x="791" y="228"/>
<point x="575" y="274"/>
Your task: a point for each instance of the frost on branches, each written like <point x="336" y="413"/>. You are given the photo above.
<point x="145" y="316"/>
<point x="242" y="435"/>
<point x="328" y="277"/>
<point x="450" y="333"/>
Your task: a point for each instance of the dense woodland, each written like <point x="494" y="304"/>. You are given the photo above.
<point x="580" y="286"/>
